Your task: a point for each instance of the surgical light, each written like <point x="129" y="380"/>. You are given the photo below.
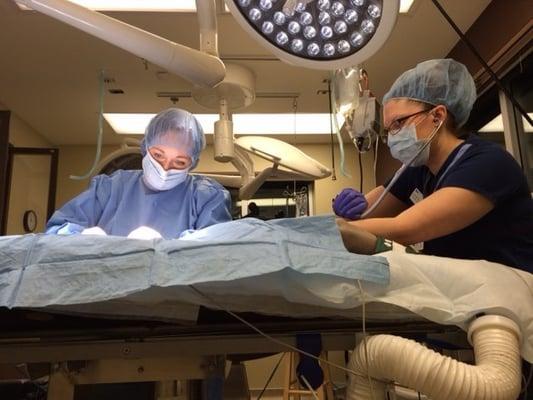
<point x="297" y="45"/>
<point x="279" y="18"/>
<point x="309" y="32"/>
<point x="326" y="32"/>
<point x="293" y="27"/>
<point x="306" y="18"/>
<point x="337" y="8"/>
<point x="313" y="49"/>
<point x="340" y="28"/>
<point x="323" y="4"/>
<point x="268" y="27"/>
<point x="324" y="18"/>
<point x="351" y="16"/>
<point x="320" y="34"/>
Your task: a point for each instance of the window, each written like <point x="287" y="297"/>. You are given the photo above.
<point x="276" y="199"/>
<point x="493" y="110"/>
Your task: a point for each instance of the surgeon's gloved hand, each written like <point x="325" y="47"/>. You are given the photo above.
<point x="145" y="233"/>
<point x="95" y="230"/>
<point x="349" y="204"/>
<point x="68" y="228"/>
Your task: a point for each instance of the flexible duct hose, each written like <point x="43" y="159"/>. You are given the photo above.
<point x="496" y="375"/>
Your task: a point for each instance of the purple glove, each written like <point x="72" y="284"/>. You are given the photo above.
<point x="349" y="204"/>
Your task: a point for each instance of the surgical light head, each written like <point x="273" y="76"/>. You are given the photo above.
<point x="436" y="82"/>
<point x="175" y="128"/>
<point x="320" y="34"/>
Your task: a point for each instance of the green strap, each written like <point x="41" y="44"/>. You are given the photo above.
<point x="381" y="245"/>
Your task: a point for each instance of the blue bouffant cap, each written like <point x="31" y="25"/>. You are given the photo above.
<point x="437" y="82"/>
<point x="176" y="128"/>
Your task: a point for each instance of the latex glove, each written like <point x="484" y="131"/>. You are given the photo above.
<point x="95" y="230"/>
<point x="349" y="204"/>
<point x="145" y="233"/>
<point x="68" y="228"/>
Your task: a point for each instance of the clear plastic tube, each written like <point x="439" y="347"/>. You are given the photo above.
<point x="332" y="95"/>
<point x="100" y="133"/>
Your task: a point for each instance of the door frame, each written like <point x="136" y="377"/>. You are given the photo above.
<point x="52" y="182"/>
<point x="4" y="163"/>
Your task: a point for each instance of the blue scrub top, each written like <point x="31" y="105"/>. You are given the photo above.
<point x="505" y="234"/>
<point x="122" y="202"/>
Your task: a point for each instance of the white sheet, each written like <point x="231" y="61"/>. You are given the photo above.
<point x="444" y="290"/>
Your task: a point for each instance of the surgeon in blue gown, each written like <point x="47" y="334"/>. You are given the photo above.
<point x="163" y="196"/>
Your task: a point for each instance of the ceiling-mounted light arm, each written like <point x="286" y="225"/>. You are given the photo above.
<point x="248" y="190"/>
<point x="245" y="165"/>
<point x="207" y="21"/>
<point x="223" y="134"/>
<point x="250" y="183"/>
<point x="193" y="65"/>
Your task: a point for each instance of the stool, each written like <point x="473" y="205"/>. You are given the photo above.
<point x="291" y="385"/>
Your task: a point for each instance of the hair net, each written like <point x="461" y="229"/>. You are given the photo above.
<point x="437" y="82"/>
<point x="176" y="128"/>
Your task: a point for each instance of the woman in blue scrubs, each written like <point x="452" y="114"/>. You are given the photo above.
<point x="461" y="197"/>
<point x="163" y="196"/>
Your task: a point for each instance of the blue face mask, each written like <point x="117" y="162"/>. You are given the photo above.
<point x="407" y="148"/>
<point x="404" y="146"/>
<point x="157" y="178"/>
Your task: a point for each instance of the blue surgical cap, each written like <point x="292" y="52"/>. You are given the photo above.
<point x="438" y="82"/>
<point x="176" y="128"/>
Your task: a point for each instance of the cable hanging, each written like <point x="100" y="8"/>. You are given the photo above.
<point x="483" y="62"/>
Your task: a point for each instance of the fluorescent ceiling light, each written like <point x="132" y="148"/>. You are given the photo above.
<point x="135" y="5"/>
<point x="243" y="124"/>
<point x="496" y="125"/>
<point x="405" y="5"/>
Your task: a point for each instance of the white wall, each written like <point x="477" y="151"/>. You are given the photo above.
<point x="75" y="160"/>
<point x="22" y="134"/>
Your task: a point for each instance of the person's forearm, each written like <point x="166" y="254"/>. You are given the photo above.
<point x="356" y="240"/>
<point x="389" y="228"/>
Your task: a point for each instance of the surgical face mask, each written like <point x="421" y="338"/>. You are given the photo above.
<point x="407" y="148"/>
<point x="404" y="146"/>
<point x="157" y="178"/>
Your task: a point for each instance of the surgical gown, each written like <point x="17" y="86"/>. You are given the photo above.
<point x="122" y="202"/>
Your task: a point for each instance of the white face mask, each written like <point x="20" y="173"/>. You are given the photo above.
<point x="157" y="178"/>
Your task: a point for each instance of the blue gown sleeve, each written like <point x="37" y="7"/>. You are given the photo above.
<point x="214" y="205"/>
<point x="83" y="211"/>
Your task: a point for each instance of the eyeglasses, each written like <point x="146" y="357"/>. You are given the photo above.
<point x="397" y="124"/>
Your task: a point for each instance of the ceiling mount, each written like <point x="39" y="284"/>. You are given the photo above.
<point x="237" y="89"/>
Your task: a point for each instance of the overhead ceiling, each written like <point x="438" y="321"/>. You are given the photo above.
<point x="49" y="71"/>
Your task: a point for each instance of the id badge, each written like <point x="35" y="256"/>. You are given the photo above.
<point x="416" y="196"/>
<point x="419" y="247"/>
